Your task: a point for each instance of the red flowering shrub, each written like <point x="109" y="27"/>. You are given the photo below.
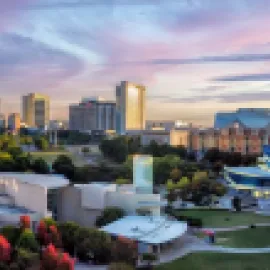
<point x="25" y="222"/>
<point x="65" y="262"/>
<point x="5" y="249"/>
<point x="49" y="259"/>
<point x="52" y="260"/>
<point x="42" y="234"/>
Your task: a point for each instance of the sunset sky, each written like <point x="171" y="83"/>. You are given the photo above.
<point x="194" y="56"/>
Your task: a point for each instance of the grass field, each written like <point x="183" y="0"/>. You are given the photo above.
<point x="247" y="238"/>
<point x="50" y="157"/>
<point x="214" y="261"/>
<point x="222" y="219"/>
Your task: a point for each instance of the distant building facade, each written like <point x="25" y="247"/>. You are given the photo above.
<point x="165" y="124"/>
<point x="36" y="110"/>
<point x="250" y="118"/>
<point x="92" y="114"/>
<point x="2" y="121"/>
<point x="14" y="122"/>
<point x="130" y="107"/>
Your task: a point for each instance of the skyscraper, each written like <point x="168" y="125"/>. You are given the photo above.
<point x="92" y="114"/>
<point x="130" y="107"/>
<point x="14" y="122"/>
<point x="2" y="121"/>
<point x="36" y="110"/>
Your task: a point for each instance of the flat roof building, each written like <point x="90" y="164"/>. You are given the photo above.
<point x="92" y="114"/>
<point x="25" y="193"/>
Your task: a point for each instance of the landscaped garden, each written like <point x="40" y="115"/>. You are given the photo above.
<point x="220" y="261"/>
<point x="247" y="238"/>
<point x="222" y="218"/>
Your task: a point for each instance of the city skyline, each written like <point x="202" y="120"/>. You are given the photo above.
<point x="190" y="54"/>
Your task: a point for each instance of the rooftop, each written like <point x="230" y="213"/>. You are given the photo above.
<point x="151" y="230"/>
<point x="249" y="171"/>
<point x="45" y="180"/>
<point x="248" y="118"/>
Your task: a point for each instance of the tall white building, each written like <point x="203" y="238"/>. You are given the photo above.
<point x="130" y="107"/>
<point x="36" y="110"/>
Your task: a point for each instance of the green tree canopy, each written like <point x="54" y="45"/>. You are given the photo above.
<point x="109" y="215"/>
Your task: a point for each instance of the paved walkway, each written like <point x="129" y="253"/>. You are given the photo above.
<point x="89" y="267"/>
<point x="189" y="244"/>
<point x="235" y="228"/>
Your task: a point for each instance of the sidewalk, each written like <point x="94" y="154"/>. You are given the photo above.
<point x="235" y="228"/>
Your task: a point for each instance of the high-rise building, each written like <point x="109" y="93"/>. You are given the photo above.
<point x="14" y="122"/>
<point x="36" y="110"/>
<point x="2" y="121"/>
<point x="92" y="114"/>
<point x="130" y="107"/>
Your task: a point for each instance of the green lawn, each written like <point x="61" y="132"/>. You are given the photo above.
<point x="247" y="238"/>
<point x="221" y="219"/>
<point x="219" y="261"/>
<point x="50" y="157"/>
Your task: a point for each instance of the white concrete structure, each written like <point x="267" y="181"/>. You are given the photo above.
<point x="30" y="194"/>
<point x="84" y="203"/>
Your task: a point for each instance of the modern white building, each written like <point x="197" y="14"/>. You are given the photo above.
<point x="84" y="203"/>
<point x="29" y="194"/>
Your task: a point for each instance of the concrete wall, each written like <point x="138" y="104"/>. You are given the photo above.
<point x="32" y="197"/>
<point x="70" y="208"/>
<point x="130" y="201"/>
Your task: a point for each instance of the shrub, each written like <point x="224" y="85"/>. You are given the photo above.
<point x="68" y="231"/>
<point x="92" y="244"/>
<point x="109" y="215"/>
<point x="28" y="241"/>
<point x="5" y="249"/>
<point x="11" y="233"/>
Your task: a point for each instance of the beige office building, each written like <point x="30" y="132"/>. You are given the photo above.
<point x="14" y="122"/>
<point x="130" y="107"/>
<point x="36" y="110"/>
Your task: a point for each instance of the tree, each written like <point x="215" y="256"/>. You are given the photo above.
<point x="109" y="215"/>
<point x="175" y="174"/>
<point x="68" y="231"/>
<point x="40" y="166"/>
<point x="64" y="165"/>
<point x="171" y="197"/>
<point x="22" y="163"/>
<point x="183" y="182"/>
<point x="200" y="192"/>
<point x="122" y="181"/>
<point x="92" y="244"/>
<point x="149" y="258"/>
<point x="115" y="149"/>
<point x="7" y="163"/>
<point x="41" y="143"/>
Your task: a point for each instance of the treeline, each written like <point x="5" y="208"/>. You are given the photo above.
<point x="118" y="149"/>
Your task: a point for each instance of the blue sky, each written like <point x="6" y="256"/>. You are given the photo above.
<point x="194" y="56"/>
